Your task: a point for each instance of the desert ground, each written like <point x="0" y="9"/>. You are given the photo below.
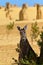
<point x="8" y="45"/>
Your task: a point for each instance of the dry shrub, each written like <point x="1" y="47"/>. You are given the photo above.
<point x="23" y="13"/>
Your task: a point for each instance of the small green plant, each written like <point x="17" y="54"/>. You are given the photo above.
<point x="40" y="43"/>
<point x="18" y="48"/>
<point x="9" y="28"/>
<point x="34" y="31"/>
<point x="24" y="62"/>
<point x="27" y="62"/>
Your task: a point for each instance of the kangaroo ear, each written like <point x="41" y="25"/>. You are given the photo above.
<point x="18" y="28"/>
<point x="25" y="27"/>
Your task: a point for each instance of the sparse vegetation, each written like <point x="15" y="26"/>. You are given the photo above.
<point x="26" y="62"/>
<point x="34" y="31"/>
<point x="9" y="27"/>
<point x="40" y="43"/>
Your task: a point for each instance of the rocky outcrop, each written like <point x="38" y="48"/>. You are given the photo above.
<point x="23" y="13"/>
<point x="38" y="13"/>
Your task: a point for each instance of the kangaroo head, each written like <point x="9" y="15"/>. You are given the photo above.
<point x="22" y="31"/>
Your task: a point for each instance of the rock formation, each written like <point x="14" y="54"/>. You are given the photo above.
<point x="7" y="8"/>
<point x="8" y="5"/>
<point x="23" y="13"/>
<point x="38" y="14"/>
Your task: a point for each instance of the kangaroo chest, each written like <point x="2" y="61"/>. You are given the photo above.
<point x="23" y="45"/>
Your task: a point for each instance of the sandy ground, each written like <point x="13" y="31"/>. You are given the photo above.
<point x="7" y="53"/>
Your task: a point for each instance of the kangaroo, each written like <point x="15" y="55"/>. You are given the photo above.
<point x="25" y="47"/>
